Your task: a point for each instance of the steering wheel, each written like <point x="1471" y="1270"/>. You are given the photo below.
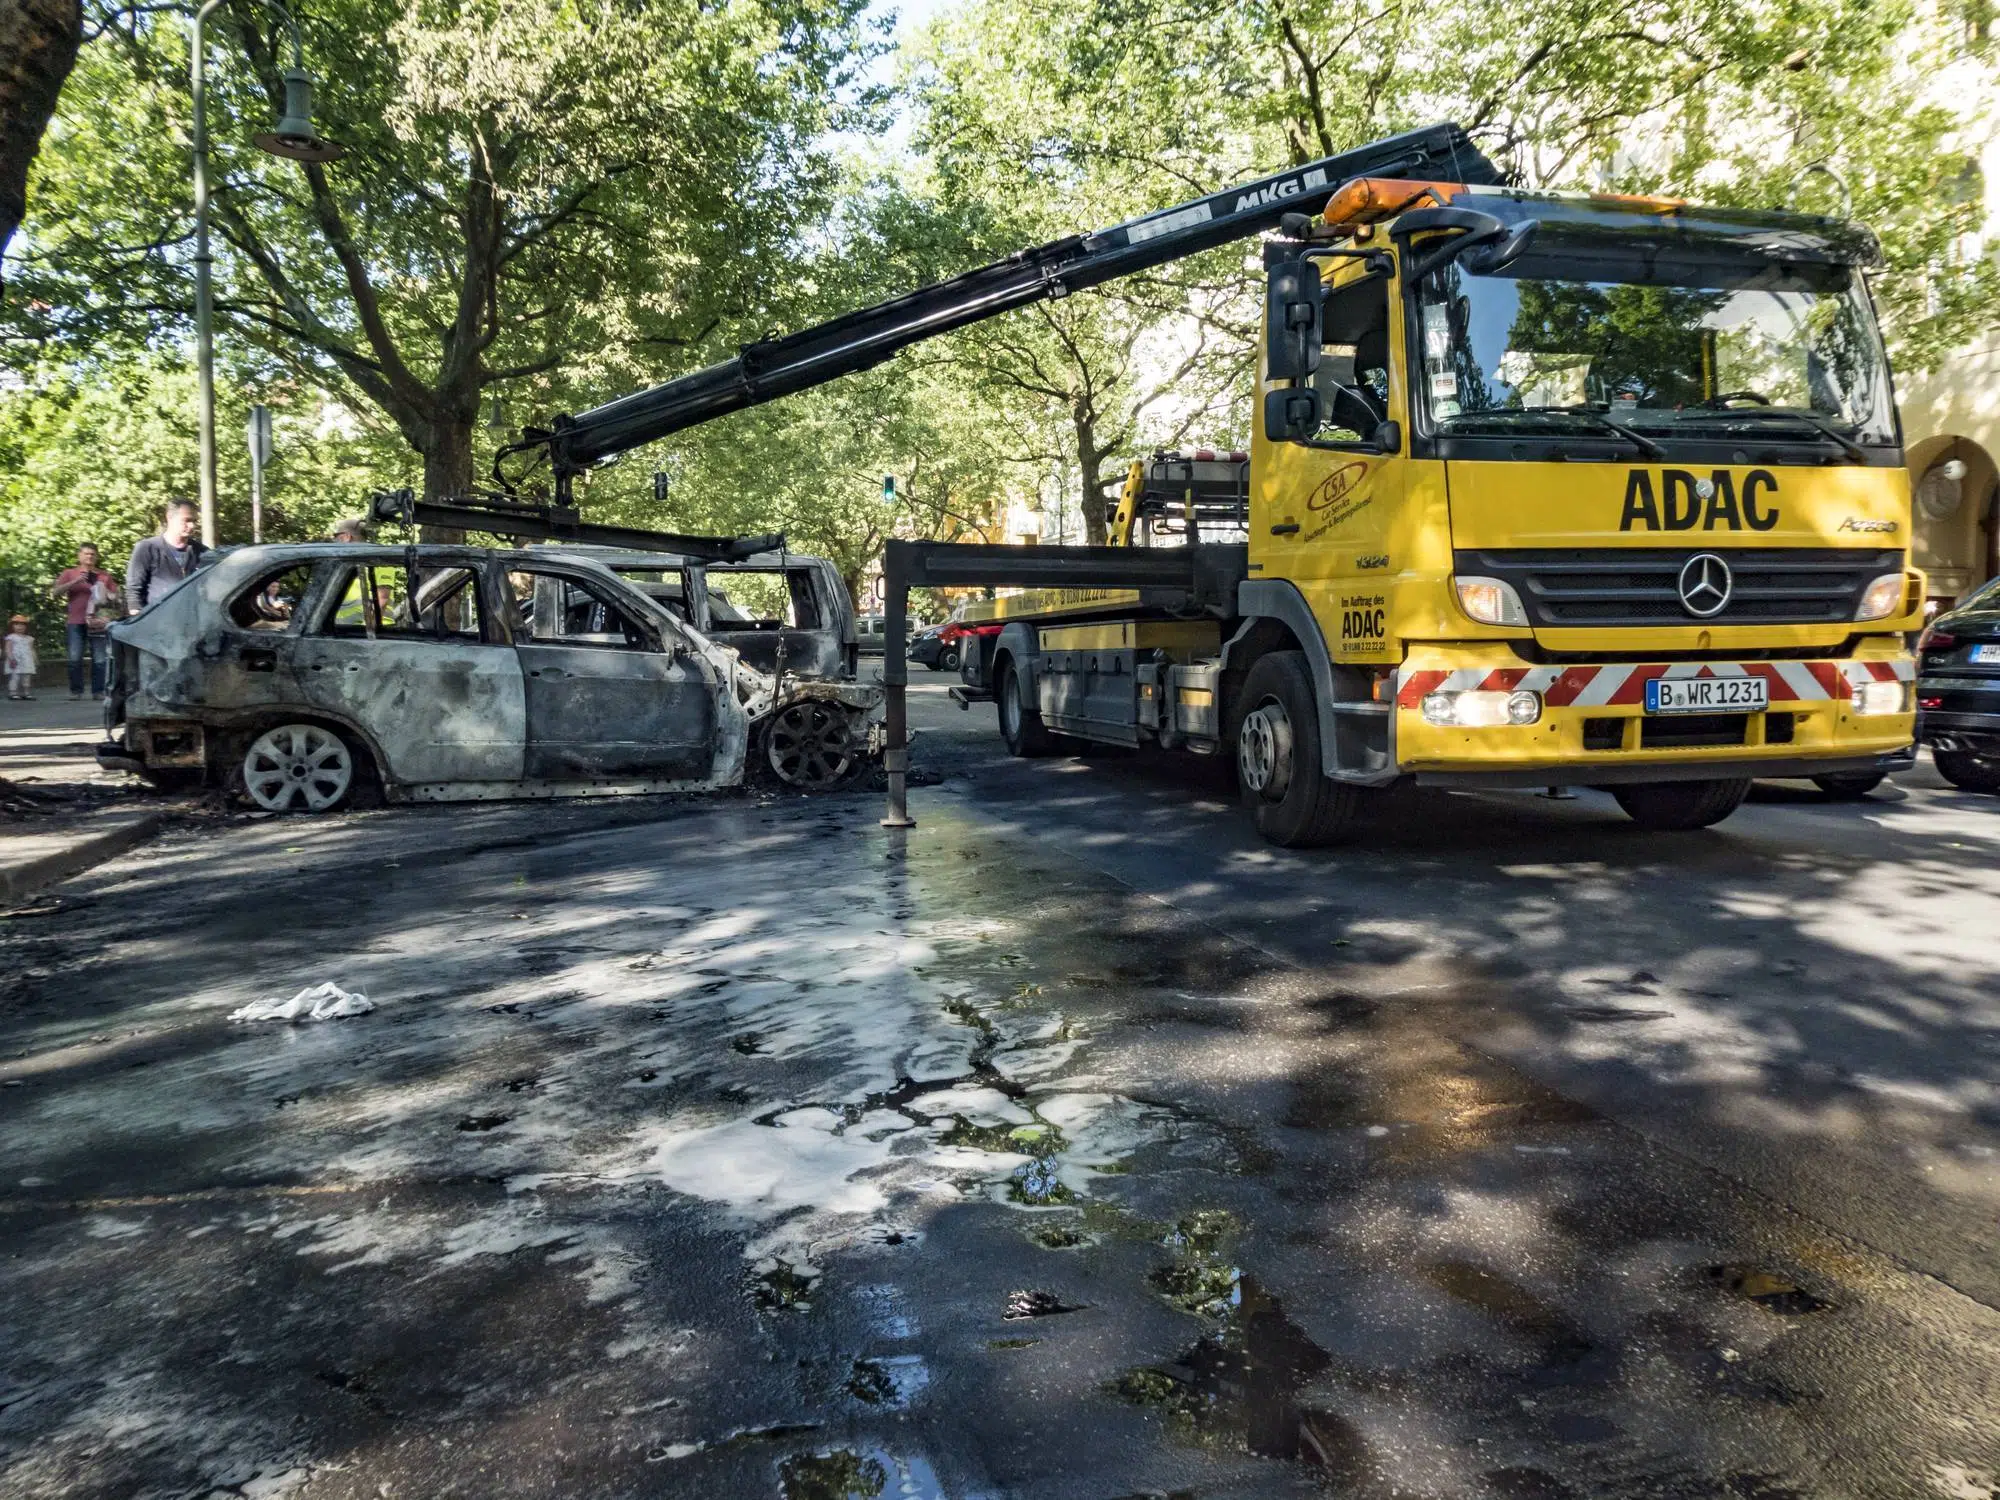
<point x="1723" y="398"/>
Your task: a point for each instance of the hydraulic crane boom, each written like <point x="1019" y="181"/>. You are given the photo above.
<point x="855" y="341"/>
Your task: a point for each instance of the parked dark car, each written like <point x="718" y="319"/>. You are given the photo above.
<point x="1958" y="691"/>
<point x="936" y="647"/>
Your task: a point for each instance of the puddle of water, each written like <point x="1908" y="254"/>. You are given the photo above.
<point x="1202" y="1278"/>
<point x="1039" y="1184"/>
<point x="1768" y="1290"/>
<point x="782" y="1287"/>
<point x="844" y="1474"/>
<point x="1237" y="1386"/>
<point x="839" y="1475"/>
<point x="890" y="1381"/>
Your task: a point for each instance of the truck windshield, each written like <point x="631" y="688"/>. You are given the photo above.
<point x="1715" y="346"/>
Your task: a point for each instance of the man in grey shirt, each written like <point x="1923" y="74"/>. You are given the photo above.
<point x="161" y="563"/>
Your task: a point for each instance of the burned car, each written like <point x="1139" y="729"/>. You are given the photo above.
<point x="300" y="675"/>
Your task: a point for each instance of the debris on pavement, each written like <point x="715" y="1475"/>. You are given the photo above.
<point x="319" y="1002"/>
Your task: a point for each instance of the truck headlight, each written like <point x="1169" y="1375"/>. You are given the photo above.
<point x="1880" y="599"/>
<point x="1490" y="601"/>
<point x="1481" y="709"/>
<point x="1877" y="698"/>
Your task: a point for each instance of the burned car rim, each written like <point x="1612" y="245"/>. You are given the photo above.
<point x="812" y="744"/>
<point x="298" y="765"/>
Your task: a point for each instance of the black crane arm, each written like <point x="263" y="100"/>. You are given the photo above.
<point x="855" y="341"/>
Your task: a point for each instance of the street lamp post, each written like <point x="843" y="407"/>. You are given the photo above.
<point x="293" y="138"/>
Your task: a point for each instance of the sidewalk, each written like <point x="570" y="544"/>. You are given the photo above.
<point x="59" y="813"/>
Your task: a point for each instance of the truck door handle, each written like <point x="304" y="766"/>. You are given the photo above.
<point x="260" y="659"/>
<point x="1284" y="528"/>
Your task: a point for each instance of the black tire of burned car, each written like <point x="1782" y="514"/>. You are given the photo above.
<point x="1958" y="691"/>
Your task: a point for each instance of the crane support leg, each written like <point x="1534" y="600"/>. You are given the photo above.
<point x="907" y="565"/>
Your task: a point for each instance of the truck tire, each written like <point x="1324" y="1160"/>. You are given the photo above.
<point x="1966" y="771"/>
<point x="1674" y="806"/>
<point x="1295" y="804"/>
<point x="1851" y="786"/>
<point x="1020" y="723"/>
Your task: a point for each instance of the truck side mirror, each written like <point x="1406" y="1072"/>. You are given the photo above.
<point x="1292" y="318"/>
<point x="1293" y="414"/>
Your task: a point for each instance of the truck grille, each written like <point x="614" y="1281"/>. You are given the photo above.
<point x="1584" y="587"/>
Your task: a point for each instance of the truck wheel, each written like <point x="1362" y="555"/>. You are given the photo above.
<point x="1672" y="806"/>
<point x="1966" y="771"/>
<point x="1851" y="786"/>
<point x="1278" y="761"/>
<point x="948" y="659"/>
<point x="1020" y="725"/>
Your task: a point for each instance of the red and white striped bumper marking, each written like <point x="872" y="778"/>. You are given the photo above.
<point x="1623" y="684"/>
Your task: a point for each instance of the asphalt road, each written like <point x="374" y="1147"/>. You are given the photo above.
<point x="1073" y="1144"/>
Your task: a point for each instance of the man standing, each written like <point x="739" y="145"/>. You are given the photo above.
<point x="87" y="588"/>
<point x="161" y="563"/>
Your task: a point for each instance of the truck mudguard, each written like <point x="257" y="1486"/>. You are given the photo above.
<point x="1020" y="641"/>
<point x="1280" y="600"/>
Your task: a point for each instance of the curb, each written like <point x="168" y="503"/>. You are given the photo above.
<point x="21" y="880"/>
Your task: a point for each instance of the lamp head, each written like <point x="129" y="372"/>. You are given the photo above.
<point x="294" y="138"/>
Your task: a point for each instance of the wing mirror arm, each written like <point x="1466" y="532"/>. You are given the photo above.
<point x="1484" y="243"/>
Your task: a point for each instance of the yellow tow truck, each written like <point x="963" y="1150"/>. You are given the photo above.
<point x="1543" y="489"/>
<point x="1547" y="489"/>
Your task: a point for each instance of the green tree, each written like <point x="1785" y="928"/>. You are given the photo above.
<point x="1815" y="104"/>
<point x="537" y="196"/>
<point x="90" y="453"/>
<point x="1018" y="145"/>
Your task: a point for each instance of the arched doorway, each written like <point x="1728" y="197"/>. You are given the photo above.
<point x="1954" y="485"/>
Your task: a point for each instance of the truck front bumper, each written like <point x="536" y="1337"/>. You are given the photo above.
<point x="1591" y="726"/>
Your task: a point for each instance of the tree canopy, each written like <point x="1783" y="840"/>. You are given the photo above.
<point x="548" y="203"/>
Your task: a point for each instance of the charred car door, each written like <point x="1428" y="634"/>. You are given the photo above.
<point x="776" y="616"/>
<point x="437" y="687"/>
<point x="609" y="691"/>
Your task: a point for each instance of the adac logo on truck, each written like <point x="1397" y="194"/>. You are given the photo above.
<point x="1364" y="628"/>
<point x="1684" y="502"/>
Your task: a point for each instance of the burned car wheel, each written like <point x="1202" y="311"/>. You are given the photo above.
<point x="812" y="745"/>
<point x="298" y="767"/>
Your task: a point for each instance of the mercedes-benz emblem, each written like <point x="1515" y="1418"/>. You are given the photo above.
<point x="1705" y="585"/>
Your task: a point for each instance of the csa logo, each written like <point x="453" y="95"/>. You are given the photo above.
<point x="1683" y="502"/>
<point x="1337" y="486"/>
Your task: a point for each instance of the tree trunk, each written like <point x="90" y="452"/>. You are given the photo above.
<point x="448" y="459"/>
<point x="38" y="42"/>
<point x="447" y="468"/>
<point x="1090" y="464"/>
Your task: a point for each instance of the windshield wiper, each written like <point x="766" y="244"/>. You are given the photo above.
<point x="1642" y="444"/>
<point x="1814" y="420"/>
